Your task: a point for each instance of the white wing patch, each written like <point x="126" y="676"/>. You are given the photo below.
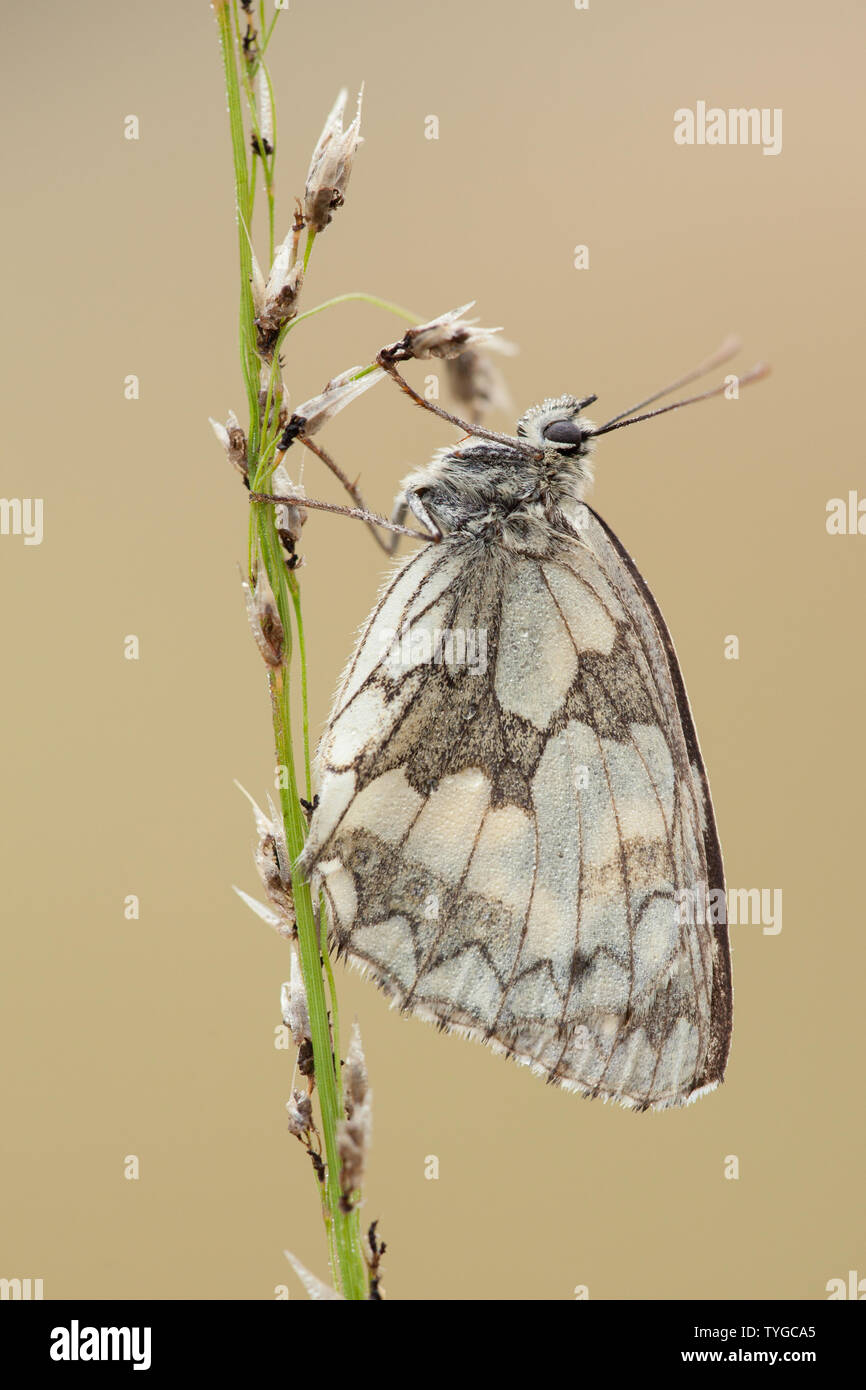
<point x="504" y="849"/>
<point x="592" y="615"/>
<point x="534" y="670"/>
<point x="389" y="803"/>
<point x="503" y="861"/>
<point x="443" y="835"/>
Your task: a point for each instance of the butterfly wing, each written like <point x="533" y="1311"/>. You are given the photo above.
<point x="509" y="815"/>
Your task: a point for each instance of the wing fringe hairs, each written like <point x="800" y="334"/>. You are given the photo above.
<point x="503" y="844"/>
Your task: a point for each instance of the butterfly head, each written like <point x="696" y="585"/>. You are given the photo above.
<point x="557" y="427"/>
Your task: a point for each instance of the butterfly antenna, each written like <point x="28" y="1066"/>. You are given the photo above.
<point x="726" y="350"/>
<point x="756" y="373"/>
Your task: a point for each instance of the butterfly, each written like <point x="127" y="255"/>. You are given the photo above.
<point x="512" y="801"/>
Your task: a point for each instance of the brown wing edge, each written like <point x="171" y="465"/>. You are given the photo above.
<point x="721" y="1002"/>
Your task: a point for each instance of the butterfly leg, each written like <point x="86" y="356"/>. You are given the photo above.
<point x="359" y="513"/>
<point x="398" y="516"/>
<point x="353" y="490"/>
<point x="412" y="499"/>
<point x="385" y="361"/>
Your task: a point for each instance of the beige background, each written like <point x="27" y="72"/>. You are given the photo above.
<point x="155" y="1037"/>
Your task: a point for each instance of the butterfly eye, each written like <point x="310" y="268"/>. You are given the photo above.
<point x="564" y="432"/>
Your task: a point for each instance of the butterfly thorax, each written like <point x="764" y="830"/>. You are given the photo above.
<point x="501" y="495"/>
